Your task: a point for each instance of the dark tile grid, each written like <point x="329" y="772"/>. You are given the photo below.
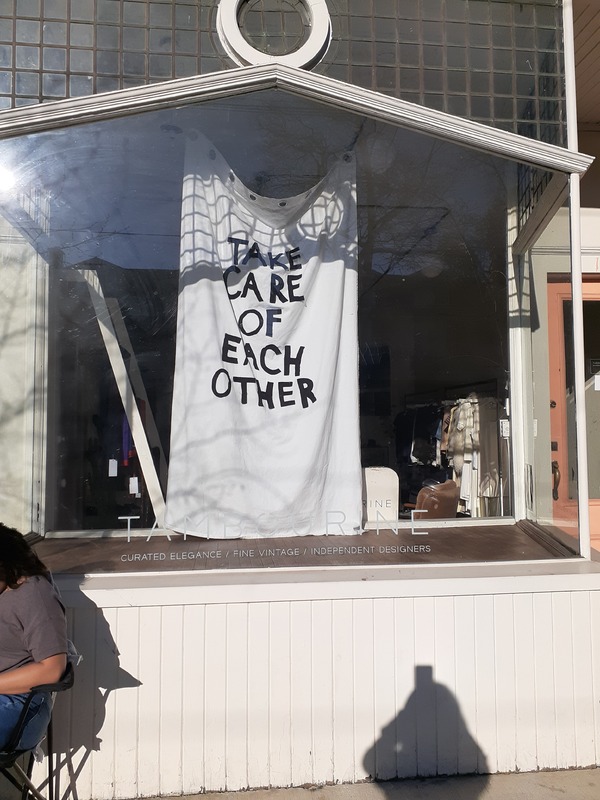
<point x="50" y="49"/>
<point x="493" y="61"/>
<point x="275" y="27"/>
<point x="530" y="185"/>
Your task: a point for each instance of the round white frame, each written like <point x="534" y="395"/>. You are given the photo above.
<point x="237" y="48"/>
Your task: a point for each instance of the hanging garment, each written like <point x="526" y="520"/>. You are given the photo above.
<point x="474" y="454"/>
<point x="460" y="449"/>
<point x="265" y="422"/>
<point x="490" y="477"/>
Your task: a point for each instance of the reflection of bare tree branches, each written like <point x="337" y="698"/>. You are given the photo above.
<point x="431" y="236"/>
<point x="22" y="391"/>
<point x="390" y="248"/>
<point x="432" y="228"/>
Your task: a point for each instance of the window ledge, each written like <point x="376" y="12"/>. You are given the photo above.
<point x="327" y="583"/>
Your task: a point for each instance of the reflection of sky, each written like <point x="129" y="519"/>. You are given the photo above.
<point x="113" y="189"/>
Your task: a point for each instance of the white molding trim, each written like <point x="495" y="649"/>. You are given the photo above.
<point x="125" y="590"/>
<point x="320" y="88"/>
<point x="570" y="84"/>
<point x="240" y="51"/>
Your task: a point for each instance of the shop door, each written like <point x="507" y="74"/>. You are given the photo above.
<point x="591" y="331"/>
<point x="562" y="403"/>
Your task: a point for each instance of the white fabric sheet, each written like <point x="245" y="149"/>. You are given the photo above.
<point x="265" y="424"/>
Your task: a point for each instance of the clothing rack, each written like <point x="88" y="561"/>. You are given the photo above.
<point x="450" y="394"/>
<point x="449" y="397"/>
<point x="433" y="404"/>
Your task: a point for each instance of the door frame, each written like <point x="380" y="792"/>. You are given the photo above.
<point x="559" y="290"/>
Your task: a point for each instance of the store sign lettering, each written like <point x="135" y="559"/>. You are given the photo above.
<point x="210" y="555"/>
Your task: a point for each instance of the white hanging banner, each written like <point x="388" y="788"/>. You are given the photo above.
<point x="265" y="423"/>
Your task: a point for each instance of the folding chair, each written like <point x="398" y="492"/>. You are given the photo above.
<point x="20" y="778"/>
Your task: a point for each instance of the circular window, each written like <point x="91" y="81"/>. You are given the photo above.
<point x="293" y="32"/>
<point x="275" y="27"/>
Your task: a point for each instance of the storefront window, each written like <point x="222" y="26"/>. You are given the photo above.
<point x="113" y="304"/>
<point x="547" y="299"/>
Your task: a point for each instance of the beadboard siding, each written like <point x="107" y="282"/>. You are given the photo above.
<point x="242" y="695"/>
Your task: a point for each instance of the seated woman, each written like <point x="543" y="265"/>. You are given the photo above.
<point x="33" y="637"/>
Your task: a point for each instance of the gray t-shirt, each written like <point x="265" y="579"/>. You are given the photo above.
<point x="32" y="623"/>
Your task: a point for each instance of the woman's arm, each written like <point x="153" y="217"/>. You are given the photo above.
<point x="21" y="679"/>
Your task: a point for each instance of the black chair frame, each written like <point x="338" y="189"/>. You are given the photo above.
<point x="20" y="778"/>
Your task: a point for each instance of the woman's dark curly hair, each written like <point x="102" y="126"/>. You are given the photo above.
<point x="17" y="559"/>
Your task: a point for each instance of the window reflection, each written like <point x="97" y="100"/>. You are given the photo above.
<point x="97" y="209"/>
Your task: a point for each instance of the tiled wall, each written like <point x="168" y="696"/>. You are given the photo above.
<point x="494" y="61"/>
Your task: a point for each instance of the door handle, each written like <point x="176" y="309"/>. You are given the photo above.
<point x="555" y="479"/>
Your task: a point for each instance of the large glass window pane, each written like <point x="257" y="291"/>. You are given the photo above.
<point x="23" y="359"/>
<point x="432" y="222"/>
<point x="552" y="471"/>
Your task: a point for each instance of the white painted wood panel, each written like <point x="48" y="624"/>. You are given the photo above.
<point x="280" y="697"/>
<point x="583" y="679"/>
<point x="106" y="665"/>
<point x="301" y="684"/>
<point x="525" y="712"/>
<point x="447" y="712"/>
<point x="595" y="641"/>
<point x="223" y="696"/>
<point x="236" y="741"/>
<point x="75" y="732"/>
<point x="423" y="696"/>
<point x="466" y="684"/>
<point x="363" y="697"/>
<point x="214" y="717"/>
<point x="171" y="698"/>
<point x="343" y="689"/>
<point x="322" y="691"/>
<point x="194" y="682"/>
<point x="505" y="682"/>
<point x="566" y="749"/>
<point x="148" y="699"/>
<point x="404" y="677"/>
<point x="545" y="682"/>
<point x="259" y="678"/>
<point x="384" y="695"/>
<point x="485" y="685"/>
<point x="126" y="704"/>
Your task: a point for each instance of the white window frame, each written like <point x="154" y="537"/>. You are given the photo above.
<point x="357" y="100"/>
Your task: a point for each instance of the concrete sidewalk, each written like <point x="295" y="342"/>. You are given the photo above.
<point x="581" y="784"/>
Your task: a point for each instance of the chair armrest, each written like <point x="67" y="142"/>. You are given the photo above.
<point x="66" y="682"/>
